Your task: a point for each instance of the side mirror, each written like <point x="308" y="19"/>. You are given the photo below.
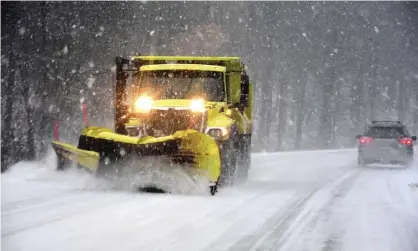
<point x="358" y="136"/>
<point x="245" y="89"/>
<point x="125" y="112"/>
<point x="414" y="138"/>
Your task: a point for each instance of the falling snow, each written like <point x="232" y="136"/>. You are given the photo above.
<point x="321" y="71"/>
<point x="22" y="31"/>
<point x="90" y="82"/>
<point x="65" y="50"/>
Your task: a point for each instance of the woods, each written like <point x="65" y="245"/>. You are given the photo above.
<point x="322" y="70"/>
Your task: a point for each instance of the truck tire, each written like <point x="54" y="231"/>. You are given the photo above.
<point x="245" y="159"/>
<point x="228" y="164"/>
<point x="229" y="160"/>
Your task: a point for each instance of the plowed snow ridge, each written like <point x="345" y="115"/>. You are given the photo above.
<point x="310" y="200"/>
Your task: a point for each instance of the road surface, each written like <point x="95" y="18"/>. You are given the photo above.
<point x="314" y="200"/>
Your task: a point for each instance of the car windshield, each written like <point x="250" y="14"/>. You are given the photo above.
<point x="182" y="84"/>
<point x="385" y="132"/>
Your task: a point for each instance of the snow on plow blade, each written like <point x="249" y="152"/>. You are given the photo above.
<point x="99" y="149"/>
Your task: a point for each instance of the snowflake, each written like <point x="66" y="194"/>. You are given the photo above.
<point x="65" y="50"/>
<point x="90" y="82"/>
<point x="22" y="31"/>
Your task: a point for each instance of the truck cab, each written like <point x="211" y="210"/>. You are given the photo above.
<point x="212" y="95"/>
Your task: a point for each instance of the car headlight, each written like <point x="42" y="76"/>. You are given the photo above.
<point x="197" y="105"/>
<point x="143" y="104"/>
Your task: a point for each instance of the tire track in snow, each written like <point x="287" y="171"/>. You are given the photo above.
<point x="332" y="241"/>
<point x="29" y="203"/>
<point x="81" y="224"/>
<point x="15" y="230"/>
<point x="277" y="222"/>
<point x="277" y="229"/>
<point x="370" y="220"/>
<point x="84" y="202"/>
<point x="203" y="221"/>
<point x="401" y="213"/>
<point x="318" y="207"/>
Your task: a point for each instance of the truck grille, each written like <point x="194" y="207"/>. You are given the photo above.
<point x="169" y="121"/>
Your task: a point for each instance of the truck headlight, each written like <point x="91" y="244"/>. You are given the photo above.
<point x="143" y="104"/>
<point x="197" y="105"/>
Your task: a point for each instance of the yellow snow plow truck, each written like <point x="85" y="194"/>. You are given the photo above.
<point x="195" y="112"/>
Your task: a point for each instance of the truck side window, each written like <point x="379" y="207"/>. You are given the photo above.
<point x="228" y="96"/>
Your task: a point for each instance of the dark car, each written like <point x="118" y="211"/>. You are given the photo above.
<point x="386" y="142"/>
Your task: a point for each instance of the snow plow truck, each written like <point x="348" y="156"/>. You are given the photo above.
<point x="195" y="111"/>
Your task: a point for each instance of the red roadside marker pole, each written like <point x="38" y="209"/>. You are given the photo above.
<point x="86" y="121"/>
<point x="56" y="130"/>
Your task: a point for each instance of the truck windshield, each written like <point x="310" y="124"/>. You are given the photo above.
<point x="182" y="84"/>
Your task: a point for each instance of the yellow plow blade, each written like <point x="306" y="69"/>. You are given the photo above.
<point x="100" y="148"/>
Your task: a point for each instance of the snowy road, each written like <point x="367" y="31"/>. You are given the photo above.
<point x="315" y="200"/>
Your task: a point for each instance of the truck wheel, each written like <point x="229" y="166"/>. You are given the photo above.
<point x="245" y="160"/>
<point x="229" y="161"/>
<point x="246" y="168"/>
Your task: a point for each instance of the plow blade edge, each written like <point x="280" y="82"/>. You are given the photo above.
<point x="67" y="154"/>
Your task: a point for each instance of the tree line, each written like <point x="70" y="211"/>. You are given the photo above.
<point x="321" y="70"/>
